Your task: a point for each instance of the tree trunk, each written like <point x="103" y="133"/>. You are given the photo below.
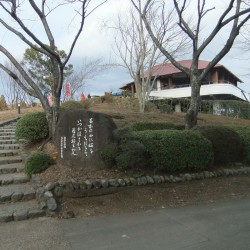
<point x="52" y="115"/>
<point x="142" y="105"/>
<point x="192" y="113"/>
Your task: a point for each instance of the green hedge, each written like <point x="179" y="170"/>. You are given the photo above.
<point x="129" y="154"/>
<point x="149" y="125"/>
<point x="109" y="154"/>
<point x="37" y="162"/>
<point x="230" y="108"/>
<point x="227" y="144"/>
<point x="32" y="127"/>
<point x="244" y="133"/>
<point x="71" y="104"/>
<point x="174" y="150"/>
<point x="132" y="155"/>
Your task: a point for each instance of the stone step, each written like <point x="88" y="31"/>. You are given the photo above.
<point x="10" y="159"/>
<point x="8" y="142"/>
<point x="9" y="126"/>
<point x="8" y="152"/>
<point x="20" y="211"/>
<point x="11" y="168"/>
<point x="5" y="133"/>
<point x="16" y="192"/>
<point x="9" y="146"/>
<point x="7" y="130"/>
<point x="16" y="178"/>
<point x="7" y="137"/>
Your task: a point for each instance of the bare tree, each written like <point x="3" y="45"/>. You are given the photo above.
<point x="12" y="91"/>
<point x="20" y="28"/>
<point x="88" y="70"/>
<point x="135" y="50"/>
<point x="233" y="17"/>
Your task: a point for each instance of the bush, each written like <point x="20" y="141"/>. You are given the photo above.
<point x="123" y="134"/>
<point x="165" y="107"/>
<point x="72" y="104"/>
<point x="126" y="155"/>
<point x="230" y="108"/>
<point x="109" y="153"/>
<point x="148" y="125"/>
<point x="227" y="144"/>
<point x="244" y="133"/>
<point x="36" y="162"/>
<point x="132" y="155"/>
<point x="32" y="127"/>
<point x="174" y="150"/>
<point x="128" y="103"/>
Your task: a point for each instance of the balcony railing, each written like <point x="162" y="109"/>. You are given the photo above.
<point x="207" y="88"/>
<point x="188" y="85"/>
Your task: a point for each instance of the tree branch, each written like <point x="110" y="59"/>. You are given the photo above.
<point x="18" y="81"/>
<point x="143" y="15"/>
<point x="32" y="84"/>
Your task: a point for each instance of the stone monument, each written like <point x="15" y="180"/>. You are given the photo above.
<point x="81" y="135"/>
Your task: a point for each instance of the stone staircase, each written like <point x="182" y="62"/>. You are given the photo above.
<point x="17" y="195"/>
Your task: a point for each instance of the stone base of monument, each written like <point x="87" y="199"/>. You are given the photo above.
<point x="80" y="137"/>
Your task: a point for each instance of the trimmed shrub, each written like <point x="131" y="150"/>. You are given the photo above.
<point x="244" y="133"/>
<point x="230" y="108"/>
<point x="227" y="144"/>
<point x="36" y="162"/>
<point x="72" y="104"/>
<point x="32" y="127"/>
<point x="165" y="107"/>
<point x="148" y="125"/>
<point x="132" y="155"/>
<point x="128" y="103"/>
<point x="123" y="134"/>
<point x="174" y="150"/>
<point x="129" y="154"/>
<point x="109" y="153"/>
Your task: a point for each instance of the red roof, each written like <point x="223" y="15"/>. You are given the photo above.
<point x="169" y="68"/>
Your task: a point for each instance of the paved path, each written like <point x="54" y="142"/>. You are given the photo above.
<point x="17" y="196"/>
<point x="220" y="226"/>
<point x="223" y="225"/>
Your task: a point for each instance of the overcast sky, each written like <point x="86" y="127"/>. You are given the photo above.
<point x="95" y="43"/>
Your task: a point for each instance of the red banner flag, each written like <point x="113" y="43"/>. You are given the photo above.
<point x="67" y="86"/>
<point x="50" y="100"/>
<point x="83" y="96"/>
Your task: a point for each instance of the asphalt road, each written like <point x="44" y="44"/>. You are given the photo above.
<point x="221" y="225"/>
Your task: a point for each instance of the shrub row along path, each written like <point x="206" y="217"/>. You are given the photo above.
<point x="17" y="196"/>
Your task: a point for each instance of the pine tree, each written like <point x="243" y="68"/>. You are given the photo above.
<point x="3" y="103"/>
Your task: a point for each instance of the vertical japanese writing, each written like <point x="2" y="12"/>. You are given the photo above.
<point x="82" y="138"/>
<point x="91" y="135"/>
<point x="73" y="141"/>
<point x="76" y="138"/>
<point x="85" y="141"/>
<point x="79" y="134"/>
<point x="62" y="146"/>
<point x="88" y="139"/>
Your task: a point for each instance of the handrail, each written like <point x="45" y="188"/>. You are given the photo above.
<point x="203" y="83"/>
<point x="185" y="90"/>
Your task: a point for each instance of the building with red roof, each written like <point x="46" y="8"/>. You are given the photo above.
<point x="171" y="83"/>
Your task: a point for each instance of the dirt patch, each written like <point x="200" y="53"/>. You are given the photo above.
<point x="60" y="172"/>
<point x="7" y="115"/>
<point x="136" y="199"/>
